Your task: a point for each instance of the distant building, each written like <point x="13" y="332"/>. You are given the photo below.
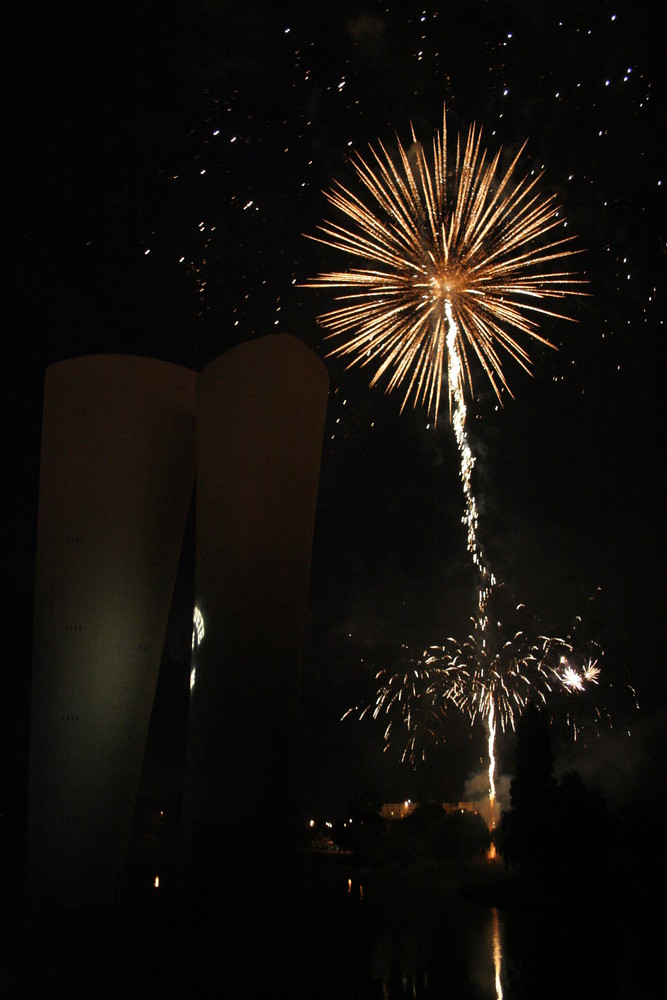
<point x="399" y="810"/>
<point x="452" y="807"/>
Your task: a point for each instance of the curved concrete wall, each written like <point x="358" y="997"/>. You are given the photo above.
<point x="260" y="422"/>
<point x="117" y="467"/>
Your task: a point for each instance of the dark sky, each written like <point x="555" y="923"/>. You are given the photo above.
<point x="163" y="168"/>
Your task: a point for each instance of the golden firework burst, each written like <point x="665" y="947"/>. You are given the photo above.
<point x="455" y="261"/>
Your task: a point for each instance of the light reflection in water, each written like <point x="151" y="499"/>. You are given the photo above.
<point x="487" y="954"/>
<point x="414" y="934"/>
<point x="404" y="955"/>
<point x="398" y="963"/>
<point x="497" y="953"/>
<point x="414" y="944"/>
<point x="349" y="889"/>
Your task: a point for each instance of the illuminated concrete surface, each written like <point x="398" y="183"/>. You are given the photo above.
<point x="117" y="468"/>
<point x="260" y="421"/>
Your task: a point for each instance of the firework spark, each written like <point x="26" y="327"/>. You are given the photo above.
<point x="454" y="263"/>
<point x="413" y="702"/>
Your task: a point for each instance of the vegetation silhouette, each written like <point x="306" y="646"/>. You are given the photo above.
<point x="558" y="830"/>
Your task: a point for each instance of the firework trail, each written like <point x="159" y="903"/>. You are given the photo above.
<point x="449" y="267"/>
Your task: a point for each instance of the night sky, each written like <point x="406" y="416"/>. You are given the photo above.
<point x="162" y="171"/>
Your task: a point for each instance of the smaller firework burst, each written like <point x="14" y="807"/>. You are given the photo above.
<point x="491" y="676"/>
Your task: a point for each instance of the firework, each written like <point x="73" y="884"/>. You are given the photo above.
<point x="491" y="676"/>
<point x="454" y="263"/>
<point x="450" y="265"/>
<point x="412" y="702"/>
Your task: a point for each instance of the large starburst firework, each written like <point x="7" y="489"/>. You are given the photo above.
<point x="455" y="261"/>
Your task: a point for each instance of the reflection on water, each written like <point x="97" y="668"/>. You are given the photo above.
<point x="397" y="961"/>
<point x="486" y="955"/>
<point x="354" y="936"/>
<point x="388" y="938"/>
<point x="403" y="941"/>
<point x="403" y="957"/>
<point x="349" y="888"/>
<point x="497" y="953"/>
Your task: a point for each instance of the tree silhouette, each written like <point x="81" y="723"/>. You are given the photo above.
<point x="581" y="831"/>
<point x="526" y="831"/>
<point x="560" y="830"/>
